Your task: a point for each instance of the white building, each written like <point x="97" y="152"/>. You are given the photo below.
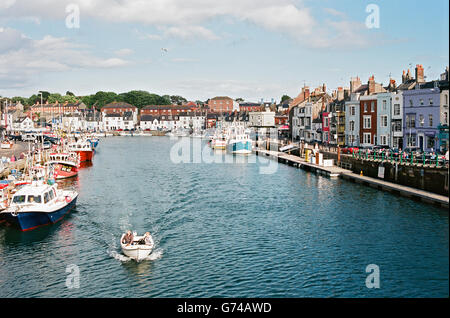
<point x="352" y="120"/>
<point x="262" y="119"/>
<point x="22" y="124"/>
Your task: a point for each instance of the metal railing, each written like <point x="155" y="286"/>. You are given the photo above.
<point x="402" y="158"/>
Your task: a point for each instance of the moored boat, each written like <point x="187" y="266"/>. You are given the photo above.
<point x="38" y="204"/>
<point x="65" y="165"/>
<point x="239" y="142"/>
<point x="83" y="149"/>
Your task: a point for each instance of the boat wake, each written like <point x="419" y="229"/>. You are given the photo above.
<point x="119" y="257"/>
<point x="155" y="255"/>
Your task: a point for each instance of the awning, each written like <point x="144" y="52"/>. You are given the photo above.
<point x="285" y="127"/>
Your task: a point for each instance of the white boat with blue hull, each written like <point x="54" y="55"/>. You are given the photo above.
<point x="239" y="142"/>
<point x="39" y="204"/>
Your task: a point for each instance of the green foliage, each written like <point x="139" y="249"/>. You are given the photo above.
<point x="177" y="100"/>
<point x="136" y="98"/>
<point x="285" y="98"/>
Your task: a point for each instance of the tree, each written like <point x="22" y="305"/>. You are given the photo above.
<point x="240" y="100"/>
<point x="285" y="98"/>
<point x="70" y="93"/>
<point x="178" y="100"/>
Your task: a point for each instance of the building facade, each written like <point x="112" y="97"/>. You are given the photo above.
<point x="421" y="117"/>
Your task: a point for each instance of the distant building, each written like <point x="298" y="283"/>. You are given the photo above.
<point x="222" y="104"/>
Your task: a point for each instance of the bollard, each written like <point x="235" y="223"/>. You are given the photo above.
<point x="437" y="161"/>
<point x="423" y="159"/>
<point x="412" y="158"/>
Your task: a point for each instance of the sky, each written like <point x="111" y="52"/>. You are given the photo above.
<point x="250" y="49"/>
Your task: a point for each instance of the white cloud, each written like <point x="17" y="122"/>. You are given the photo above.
<point x="190" y="32"/>
<point x="124" y="52"/>
<point x="23" y="59"/>
<point x="186" y="19"/>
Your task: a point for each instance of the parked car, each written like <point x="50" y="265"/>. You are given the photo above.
<point x="350" y="150"/>
<point x="28" y="137"/>
<point x="47" y="145"/>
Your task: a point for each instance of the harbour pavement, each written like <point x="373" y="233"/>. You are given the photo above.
<point x="18" y="148"/>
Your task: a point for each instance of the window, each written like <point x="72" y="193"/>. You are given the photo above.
<point x="383" y="140"/>
<point x="366" y="138"/>
<point x="411" y="140"/>
<point x="421" y="121"/>
<point x="352" y="125"/>
<point x="365" y="107"/>
<point x="411" y="103"/>
<point x="430" y="120"/>
<point x="367" y="122"/>
<point x="421" y="101"/>
<point x="384" y="121"/>
<point x="445" y="121"/>
<point x="411" y="121"/>
<point x="372" y="107"/>
<point x="430" y="142"/>
<point x="19" y="199"/>
<point x="384" y="105"/>
<point x="46" y="197"/>
<point x="34" y="198"/>
<point x="431" y="101"/>
<point x="396" y="109"/>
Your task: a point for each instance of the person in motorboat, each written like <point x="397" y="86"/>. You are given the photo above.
<point x="128" y="238"/>
<point x="146" y="240"/>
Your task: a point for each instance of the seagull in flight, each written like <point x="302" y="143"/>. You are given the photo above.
<point x="164" y="50"/>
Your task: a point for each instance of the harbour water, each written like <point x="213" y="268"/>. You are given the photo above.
<point x="226" y="230"/>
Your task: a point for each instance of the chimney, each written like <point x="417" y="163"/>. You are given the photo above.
<point x="419" y="74"/>
<point x="340" y="93"/>
<point x="355" y="83"/>
<point x="371" y="85"/>
<point x="403" y="77"/>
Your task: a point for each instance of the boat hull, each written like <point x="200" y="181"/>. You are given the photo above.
<point x="85" y="155"/>
<point x="137" y="251"/>
<point x="27" y="221"/>
<point x="240" y="147"/>
<point x="64" y="172"/>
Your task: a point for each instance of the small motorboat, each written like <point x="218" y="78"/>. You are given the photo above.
<point x="138" y="250"/>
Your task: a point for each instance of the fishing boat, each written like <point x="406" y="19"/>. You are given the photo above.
<point x="239" y="142"/>
<point x="219" y="141"/>
<point x="137" y="251"/>
<point x="38" y="204"/>
<point x="65" y="165"/>
<point x="93" y="141"/>
<point x="83" y="148"/>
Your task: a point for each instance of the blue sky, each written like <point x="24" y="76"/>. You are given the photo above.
<point x="248" y="48"/>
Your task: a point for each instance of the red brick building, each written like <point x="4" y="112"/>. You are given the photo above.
<point x="56" y="108"/>
<point x="368" y="120"/>
<point x="118" y="108"/>
<point x="249" y="107"/>
<point x="221" y="104"/>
